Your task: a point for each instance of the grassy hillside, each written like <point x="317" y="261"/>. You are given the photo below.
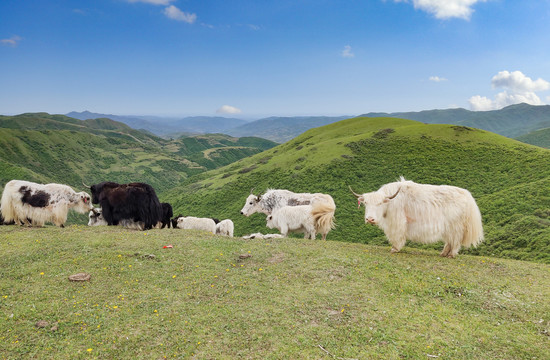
<point x="72" y="157"/>
<point x="511" y="121"/>
<point x="45" y="121"/>
<point x="539" y="138"/>
<point x="214" y="150"/>
<point x="55" y="148"/>
<point x="509" y="179"/>
<point x="224" y="298"/>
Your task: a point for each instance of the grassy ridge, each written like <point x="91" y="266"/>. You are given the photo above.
<point x="72" y="157"/>
<point x="539" y="137"/>
<point x="291" y="298"/>
<point x="508" y="179"/>
<point x="56" y="148"/>
<point x="512" y="121"/>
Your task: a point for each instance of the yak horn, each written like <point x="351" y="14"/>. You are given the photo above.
<point x="394" y="195"/>
<point x="252" y="191"/>
<point x="354" y="193"/>
<point x="89" y="187"/>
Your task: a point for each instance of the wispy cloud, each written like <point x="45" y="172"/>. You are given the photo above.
<point x="347" y="53"/>
<point x="13" y="41"/>
<point x="227" y="109"/>
<point x="174" y="13"/>
<point x="437" y="79"/>
<point x="518" y="88"/>
<point x="445" y="9"/>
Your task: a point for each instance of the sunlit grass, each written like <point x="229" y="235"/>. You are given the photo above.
<point x="290" y="298"/>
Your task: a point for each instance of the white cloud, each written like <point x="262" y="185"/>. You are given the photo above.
<point x="518" y="89"/>
<point x="446" y="9"/>
<point x="152" y="2"/>
<point x="437" y="79"/>
<point x="227" y="109"/>
<point x="174" y="13"/>
<point x="347" y="53"/>
<point x="13" y="41"/>
<point x="518" y="82"/>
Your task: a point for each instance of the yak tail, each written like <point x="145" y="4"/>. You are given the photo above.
<point x="473" y="227"/>
<point x="7" y="207"/>
<point x="323" y="217"/>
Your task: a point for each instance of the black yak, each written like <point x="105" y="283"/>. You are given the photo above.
<point x="134" y="201"/>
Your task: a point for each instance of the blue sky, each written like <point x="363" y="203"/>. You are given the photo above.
<point x="247" y="58"/>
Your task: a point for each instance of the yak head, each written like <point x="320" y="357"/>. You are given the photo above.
<point x="376" y="204"/>
<point x="95" y="217"/>
<point x="99" y="190"/>
<point x="251" y="205"/>
<point x="83" y="203"/>
<point x="269" y="221"/>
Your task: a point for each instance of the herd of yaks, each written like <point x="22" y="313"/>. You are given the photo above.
<point x="404" y="210"/>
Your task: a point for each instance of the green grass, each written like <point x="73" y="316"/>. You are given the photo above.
<point x="292" y="298"/>
<point x="539" y="137"/>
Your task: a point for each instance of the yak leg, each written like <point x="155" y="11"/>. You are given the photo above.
<point x="397" y="244"/>
<point x="446" y="250"/>
<point x="284" y="230"/>
<point x="454" y="251"/>
<point x="452" y="247"/>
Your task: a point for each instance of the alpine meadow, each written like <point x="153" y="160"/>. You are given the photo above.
<point x="212" y="297"/>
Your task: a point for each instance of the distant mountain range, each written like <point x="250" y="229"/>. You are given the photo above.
<point x="278" y="129"/>
<point x="513" y="121"/>
<point x="169" y="127"/>
<point x="282" y="129"/>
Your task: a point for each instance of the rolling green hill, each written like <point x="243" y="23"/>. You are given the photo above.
<point x="45" y="121"/>
<point x="55" y="148"/>
<point x="539" y="138"/>
<point x="512" y="121"/>
<point x="510" y="180"/>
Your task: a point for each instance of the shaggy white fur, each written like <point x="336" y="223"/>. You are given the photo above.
<point x="191" y="222"/>
<point x="225" y="227"/>
<point x="424" y="213"/>
<point x="307" y="219"/>
<point x="57" y="200"/>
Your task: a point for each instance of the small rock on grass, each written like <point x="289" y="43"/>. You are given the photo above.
<point x="80" y="277"/>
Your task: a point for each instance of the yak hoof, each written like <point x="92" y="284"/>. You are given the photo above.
<point x="394" y="250"/>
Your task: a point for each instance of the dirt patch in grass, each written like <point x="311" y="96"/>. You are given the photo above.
<point x="277" y="258"/>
